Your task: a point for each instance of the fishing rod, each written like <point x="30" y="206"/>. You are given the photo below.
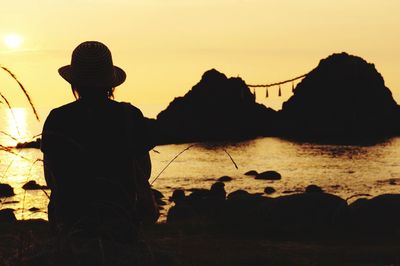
<point x="180" y="153"/>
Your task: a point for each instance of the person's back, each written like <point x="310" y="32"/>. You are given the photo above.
<point x="95" y="150"/>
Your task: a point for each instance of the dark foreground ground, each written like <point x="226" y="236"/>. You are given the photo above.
<point x="30" y="243"/>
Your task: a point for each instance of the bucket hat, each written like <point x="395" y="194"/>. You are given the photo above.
<point x="92" y="65"/>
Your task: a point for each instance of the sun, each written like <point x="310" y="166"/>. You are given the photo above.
<point x="13" y="41"/>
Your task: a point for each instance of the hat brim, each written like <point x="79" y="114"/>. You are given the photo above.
<point x="119" y="76"/>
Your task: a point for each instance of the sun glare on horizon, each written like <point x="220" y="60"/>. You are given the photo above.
<point x="13" y="41"/>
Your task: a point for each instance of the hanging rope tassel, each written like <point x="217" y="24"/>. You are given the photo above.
<point x="254" y="93"/>
<point x="280" y="92"/>
<point x="266" y="92"/>
<point x="293" y="87"/>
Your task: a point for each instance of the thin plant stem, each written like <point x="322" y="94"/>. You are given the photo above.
<point x="12" y="112"/>
<point x="9" y="135"/>
<point x="37" y="135"/>
<point x="23" y="90"/>
<point x="6" y="149"/>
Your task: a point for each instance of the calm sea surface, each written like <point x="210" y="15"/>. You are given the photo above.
<point x="342" y="170"/>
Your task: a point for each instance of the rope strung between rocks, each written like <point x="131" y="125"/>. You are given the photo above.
<point x="266" y="86"/>
<point x="276" y="83"/>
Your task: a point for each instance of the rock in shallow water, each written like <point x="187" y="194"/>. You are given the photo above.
<point x="251" y="172"/>
<point x="6" y="191"/>
<point x="32" y="185"/>
<point x="314" y="189"/>
<point x="269" y="190"/>
<point x="225" y="178"/>
<point x="269" y="175"/>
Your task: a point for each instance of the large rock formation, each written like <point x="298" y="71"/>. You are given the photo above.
<point x="344" y="99"/>
<point x="217" y="108"/>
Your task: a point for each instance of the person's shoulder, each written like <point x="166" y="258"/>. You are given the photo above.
<point x="60" y="114"/>
<point x="65" y="108"/>
<point x="55" y="123"/>
<point x="132" y="109"/>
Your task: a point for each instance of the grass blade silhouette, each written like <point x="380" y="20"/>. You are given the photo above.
<point x="9" y="135"/>
<point x="23" y="89"/>
<point x="10" y="151"/>
<point x="12" y="112"/>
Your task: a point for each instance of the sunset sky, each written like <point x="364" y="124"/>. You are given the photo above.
<point x="166" y="45"/>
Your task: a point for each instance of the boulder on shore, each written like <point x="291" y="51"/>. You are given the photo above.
<point x="201" y="206"/>
<point x="380" y="214"/>
<point x="306" y="211"/>
<point x="7" y="216"/>
<point x="314" y="189"/>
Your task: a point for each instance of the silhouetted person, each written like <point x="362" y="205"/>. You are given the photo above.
<point x="96" y="159"/>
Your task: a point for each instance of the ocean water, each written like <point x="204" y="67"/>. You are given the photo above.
<point x="342" y="170"/>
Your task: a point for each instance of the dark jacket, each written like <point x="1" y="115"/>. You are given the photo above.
<point x="96" y="162"/>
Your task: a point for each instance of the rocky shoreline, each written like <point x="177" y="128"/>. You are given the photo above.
<point x="245" y="228"/>
<point x="310" y="213"/>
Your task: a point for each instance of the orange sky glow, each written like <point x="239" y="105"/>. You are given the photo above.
<point x="165" y="46"/>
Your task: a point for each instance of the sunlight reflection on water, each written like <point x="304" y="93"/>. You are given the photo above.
<point x="15" y="126"/>
<point x="339" y="169"/>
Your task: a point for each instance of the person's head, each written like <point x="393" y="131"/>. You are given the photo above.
<point x="91" y="72"/>
<point x="90" y="92"/>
